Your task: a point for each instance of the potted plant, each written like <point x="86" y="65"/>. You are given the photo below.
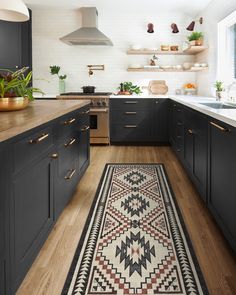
<point x="127" y="88"/>
<point x="196" y="39"/>
<point x="55" y="71"/>
<point x="15" y="89"/>
<point x="219" y="86"/>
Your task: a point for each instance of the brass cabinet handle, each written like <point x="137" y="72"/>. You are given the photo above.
<point x="69" y="121"/>
<point x="73" y="140"/>
<point x="190" y="131"/>
<point x="85" y="128"/>
<point x="54" y="156"/>
<point x="85" y="112"/>
<point x="223" y="129"/>
<point x="130" y="113"/>
<point x="70" y="175"/>
<point x="130" y="126"/>
<point x="131" y="102"/>
<point x="156" y="101"/>
<point x="39" y="139"/>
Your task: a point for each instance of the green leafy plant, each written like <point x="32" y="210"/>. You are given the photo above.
<point x="195" y="36"/>
<point x="219" y="86"/>
<point x="17" y="84"/>
<point x="129" y="87"/>
<point x="55" y="71"/>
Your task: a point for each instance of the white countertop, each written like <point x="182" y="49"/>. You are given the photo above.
<point x="225" y="115"/>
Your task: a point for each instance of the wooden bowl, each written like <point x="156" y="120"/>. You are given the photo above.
<point x="8" y="104"/>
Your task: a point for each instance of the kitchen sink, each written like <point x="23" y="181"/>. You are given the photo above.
<point x="218" y="105"/>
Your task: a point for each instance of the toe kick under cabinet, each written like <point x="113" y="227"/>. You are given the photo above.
<point x="39" y="171"/>
<point x="139" y="120"/>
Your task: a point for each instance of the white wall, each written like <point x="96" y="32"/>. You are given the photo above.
<point x="212" y="14"/>
<point x="125" y="27"/>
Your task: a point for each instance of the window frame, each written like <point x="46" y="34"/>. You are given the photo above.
<point x="224" y="59"/>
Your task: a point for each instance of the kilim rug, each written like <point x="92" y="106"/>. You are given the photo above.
<point x="134" y="240"/>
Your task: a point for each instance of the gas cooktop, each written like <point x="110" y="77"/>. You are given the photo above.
<point x="86" y="94"/>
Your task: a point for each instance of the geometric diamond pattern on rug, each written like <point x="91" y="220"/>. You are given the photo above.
<point x="135" y="252"/>
<point x="99" y="285"/>
<point x="134" y="241"/>
<point x="135" y="204"/>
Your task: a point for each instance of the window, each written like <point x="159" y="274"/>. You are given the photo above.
<point x="227" y="49"/>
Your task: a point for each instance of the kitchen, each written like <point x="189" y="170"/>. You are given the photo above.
<point x="118" y="178"/>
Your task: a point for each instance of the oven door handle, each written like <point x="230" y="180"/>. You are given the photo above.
<point x="98" y="110"/>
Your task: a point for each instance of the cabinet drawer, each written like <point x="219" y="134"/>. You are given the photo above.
<point x="31" y="147"/>
<point x="83" y="116"/>
<point x="129" y="133"/>
<point x="67" y="125"/>
<point x="128" y="117"/>
<point x="128" y="104"/>
<point x="68" y="152"/>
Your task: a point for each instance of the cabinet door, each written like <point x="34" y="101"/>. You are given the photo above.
<point x="2" y="277"/>
<point x="222" y="183"/>
<point x="84" y="147"/>
<point x="16" y="45"/>
<point x="188" y="145"/>
<point x="32" y="215"/>
<point x="159" y="125"/>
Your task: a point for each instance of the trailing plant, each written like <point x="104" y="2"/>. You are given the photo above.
<point x="17" y="84"/>
<point x="195" y="36"/>
<point x="129" y="87"/>
<point x="219" y="86"/>
<point x="55" y="71"/>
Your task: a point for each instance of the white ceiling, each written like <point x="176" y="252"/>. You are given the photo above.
<point x="164" y="6"/>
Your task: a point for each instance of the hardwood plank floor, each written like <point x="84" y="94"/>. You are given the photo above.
<point x="218" y="263"/>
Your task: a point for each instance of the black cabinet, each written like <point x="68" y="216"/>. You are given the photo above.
<point x="159" y="120"/>
<point x="196" y="148"/>
<point x="16" y="45"/>
<point x="31" y="215"/>
<point x="222" y="175"/>
<point x="176" y="128"/>
<point x="141" y="120"/>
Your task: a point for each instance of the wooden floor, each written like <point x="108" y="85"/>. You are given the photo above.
<point x="48" y="273"/>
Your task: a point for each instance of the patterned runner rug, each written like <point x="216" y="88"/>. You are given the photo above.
<point x="134" y="240"/>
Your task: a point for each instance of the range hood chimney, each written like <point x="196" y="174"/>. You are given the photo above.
<point x="88" y="34"/>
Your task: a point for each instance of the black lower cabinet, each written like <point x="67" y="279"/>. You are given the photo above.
<point x="142" y="120"/>
<point x="222" y="175"/>
<point x="39" y="173"/>
<point x="196" y="149"/>
<point x="31" y="215"/>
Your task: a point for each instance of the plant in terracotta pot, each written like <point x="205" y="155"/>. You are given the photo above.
<point x="127" y="88"/>
<point x="15" y="89"/>
<point x="196" y="39"/>
<point x="55" y="71"/>
<point x="219" y="86"/>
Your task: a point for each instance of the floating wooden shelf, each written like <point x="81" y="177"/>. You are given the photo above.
<point x="165" y="70"/>
<point x="192" y="50"/>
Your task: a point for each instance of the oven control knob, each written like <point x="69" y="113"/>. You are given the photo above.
<point x="98" y="102"/>
<point x="92" y="103"/>
<point x="104" y="103"/>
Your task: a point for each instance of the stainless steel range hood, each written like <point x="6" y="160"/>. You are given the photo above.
<point x="88" y="34"/>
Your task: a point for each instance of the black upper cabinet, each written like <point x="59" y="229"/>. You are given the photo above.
<point x="16" y="44"/>
<point x="222" y="175"/>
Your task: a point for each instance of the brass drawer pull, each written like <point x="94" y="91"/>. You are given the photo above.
<point x="131" y="102"/>
<point x="54" y="156"/>
<point x="85" y="112"/>
<point x="72" y="172"/>
<point x="156" y="101"/>
<point x="220" y="127"/>
<point x="130" y="126"/>
<point x="73" y="140"/>
<point x="39" y="139"/>
<point x="69" y="121"/>
<point x="190" y="131"/>
<point x="130" y="113"/>
<point x="85" y="128"/>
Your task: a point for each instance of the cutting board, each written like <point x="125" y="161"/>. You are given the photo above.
<point x="158" y="87"/>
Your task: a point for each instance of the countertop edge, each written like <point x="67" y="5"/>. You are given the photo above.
<point x="34" y="123"/>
